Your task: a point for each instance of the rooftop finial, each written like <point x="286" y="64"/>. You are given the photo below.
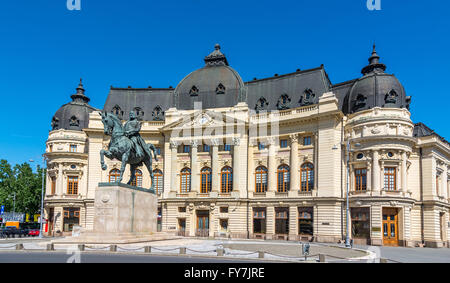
<point x="374" y="63"/>
<point x="79" y="96"/>
<point x="216" y="58"/>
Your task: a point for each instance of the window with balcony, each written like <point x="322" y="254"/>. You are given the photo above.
<point x="390" y="176"/>
<point x="226" y="180"/>
<point x="205" y="180"/>
<point x="307" y="177"/>
<point x="73" y="148"/>
<point x="185" y="182"/>
<point x="159" y="185"/>
<point x="361" y="180"/>
<point x="72" y="185"/>
<point x="261" y="179"/>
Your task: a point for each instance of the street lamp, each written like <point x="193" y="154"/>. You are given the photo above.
<point x="347" y="236"/>
<point x="42" y="197"/>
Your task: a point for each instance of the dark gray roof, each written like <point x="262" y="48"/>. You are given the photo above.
<point x="296" y="86"/>
<point x="147" y="99"/>
<point x="421" y="130"/>
<point x="73" y="115"/>
<point x="376" y="89"/>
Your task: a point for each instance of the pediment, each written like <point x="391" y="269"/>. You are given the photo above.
<point x="204" y="119"/>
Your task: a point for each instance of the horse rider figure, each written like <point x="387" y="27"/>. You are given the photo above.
<point x="132" y="128"/>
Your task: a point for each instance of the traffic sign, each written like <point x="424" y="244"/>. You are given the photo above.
<point x="2" y="210"/>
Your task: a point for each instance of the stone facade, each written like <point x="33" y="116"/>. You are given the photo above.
<point x="398" y="181"/>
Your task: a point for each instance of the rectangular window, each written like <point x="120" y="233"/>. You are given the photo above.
<point x="50" y="148"/>
<point x="223" y="225"/>
<point x="206" y="148"/>
<point x="73" y="148"/>
<point x="261" y="146"/>
<point x="182" y="209"/>
<point x="227" y="147"/>
<point x="305" y="221"/>
<point x="361" y="222"/>
<point x="283" y="143"/>
<point x="186" y="148"/>
<point x="437" y="185"/>
<point x="224" y="209"/>
<point x="158" y="151"/>
<point x="72" y="185"/>
<point x="360" y="180"/>
<point x="307" y="141"/>
<point x="259" y="220"/>
<point x="282" y="220"/>
<point x="390" y="179"/>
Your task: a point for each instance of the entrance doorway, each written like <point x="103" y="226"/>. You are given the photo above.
<point x="390" y="227"/>
<point x="202" y="223"/>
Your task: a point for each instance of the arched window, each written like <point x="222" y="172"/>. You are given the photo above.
<point x="227" y="179"/>
<point x="205" y="180"/>
<point x="283" y="179"/>
<point x="261" y="179"/>
<point x="137" y="182"/>
<point x="158" y="114"/>
<point x="114" y="175"/>
<point x="194" y="91"/>
<point x="220" y="89"/>
<point x="159" y="186"/>
<point x="284" y="102"/>
<point x="307" y="177"/>
<point x="185" y="184"/>
<point x="117" y="111"/>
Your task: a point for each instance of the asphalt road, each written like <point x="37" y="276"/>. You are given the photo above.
<point x="57" y="257"/>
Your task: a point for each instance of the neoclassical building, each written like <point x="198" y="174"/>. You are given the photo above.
<point x="265" y="159"/>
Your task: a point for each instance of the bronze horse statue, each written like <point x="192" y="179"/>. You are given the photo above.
<point x="122" y="148"/>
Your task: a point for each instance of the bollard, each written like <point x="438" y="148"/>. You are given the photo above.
<point x="113" y="248"/>
<point x="81" y="248"/>
<point x="260" y="254"/>
<point x="322" y="258"/>
<point x="148" y="249"/>
<point x="383" y="260"/>
<point x="182" y="251"/>
<point x="50" y="247"/>
<point x="19" y="247"/>
<point x="220" y="252"/>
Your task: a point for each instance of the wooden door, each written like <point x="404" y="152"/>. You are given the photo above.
<point x="390" y="227"/>
<point x="202" y="223"/>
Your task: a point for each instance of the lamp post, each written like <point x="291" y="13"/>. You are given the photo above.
<point x="42" y="197"/>
<point x="347" y="236"/>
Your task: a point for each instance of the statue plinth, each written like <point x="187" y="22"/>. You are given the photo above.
<point x="121" y="208"/>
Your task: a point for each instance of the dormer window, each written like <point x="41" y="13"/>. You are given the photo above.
<point x="284" y="102"/>
<point x="55" y="123"/>
<point x="158" y="114"/>
<point x="261" y="105"/>
<point x="194" y="91"/>
<point x="220" y="89"/>
<point x="74" y="122"/>
<point x="360" y="101"/>
<point x="391" y="97"/>
<point x="307" y="97"/>
<point x="117" y="111"/>
<point x="139" y="113"/>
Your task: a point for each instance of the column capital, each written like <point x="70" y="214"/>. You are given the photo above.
<point x="194" y="143"/>
<point x="294" y="138"/>
<point x="215" y="142"/>
<point x="174" y="144"/>
<point x="270" y="141"/>
<point x="236" y="141"/>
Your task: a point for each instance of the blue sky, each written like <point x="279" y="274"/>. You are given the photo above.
<point x="46" y="48"/>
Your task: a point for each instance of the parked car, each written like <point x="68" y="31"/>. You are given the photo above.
<point x="13" y="232"/>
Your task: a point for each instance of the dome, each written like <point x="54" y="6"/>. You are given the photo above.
<point x="74" y="115"/>
<point x="376" y="89"/>
<point x="215" y="85"/>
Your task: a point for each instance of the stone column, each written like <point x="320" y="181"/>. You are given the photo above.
<point x="236" y="161"/>
<point x="60" y="183"/>
<point x="404" y="175"/>
<point x="195" y="180"/>
<point x="295" y="166"/>
<point x="251" y="169"/>
<point x="215" y="165"/>
<point x="444" y="182"/>
<point x="272" y="174"/>
<point x="173" y="167"/>
<point x="376" y="172"/>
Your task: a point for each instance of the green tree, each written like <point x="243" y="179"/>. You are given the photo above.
<point x="25" y="183"/>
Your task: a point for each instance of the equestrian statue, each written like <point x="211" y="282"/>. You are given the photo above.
<point x="127" y="145"/>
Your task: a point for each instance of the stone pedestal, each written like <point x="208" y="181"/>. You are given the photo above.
<point x="120" y="208"/>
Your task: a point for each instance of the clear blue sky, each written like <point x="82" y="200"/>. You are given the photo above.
<point x="46" y="48"/>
